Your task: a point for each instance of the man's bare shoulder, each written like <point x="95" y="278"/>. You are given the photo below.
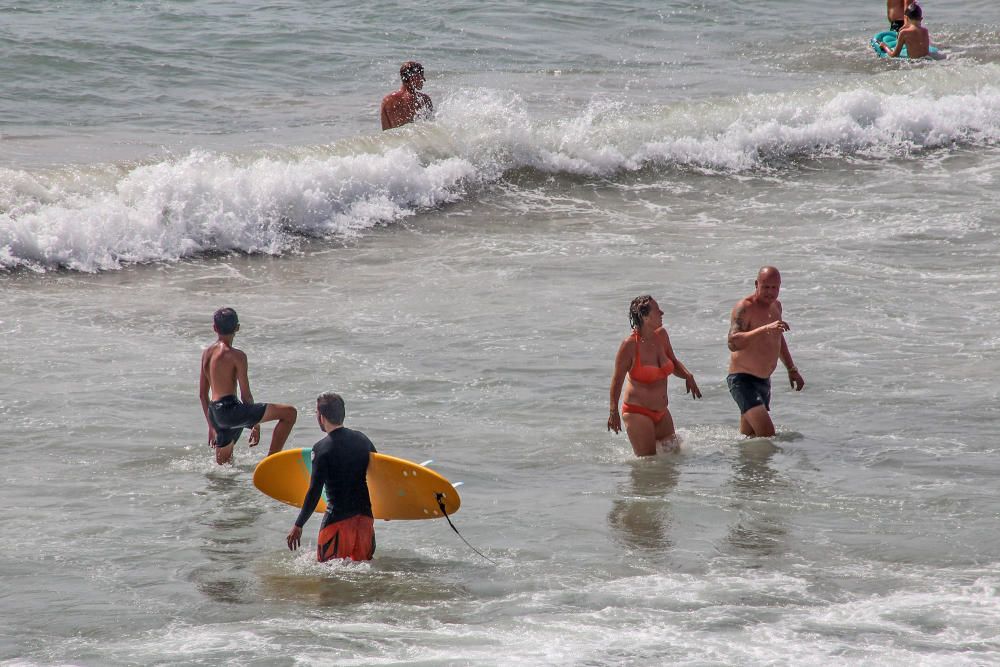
<point x="392" y="98"/>
<point x="742" y="306"/>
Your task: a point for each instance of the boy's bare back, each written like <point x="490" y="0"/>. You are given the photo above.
<point x="916" y="39"/>
<point x="222" y="365"/>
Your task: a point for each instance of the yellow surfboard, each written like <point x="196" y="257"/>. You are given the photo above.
<point x="399" y="489"/>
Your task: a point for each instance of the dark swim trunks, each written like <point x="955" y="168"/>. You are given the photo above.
<point x="896" y="25"/>
<point x="230" y="416"/>
<point x="749" y="391"/>
<point x="352" y="538"/>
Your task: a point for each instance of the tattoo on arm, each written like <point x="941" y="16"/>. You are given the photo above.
<point x="738" y="325"/>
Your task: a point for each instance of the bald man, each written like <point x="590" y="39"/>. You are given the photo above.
<point x="756" y="341"/>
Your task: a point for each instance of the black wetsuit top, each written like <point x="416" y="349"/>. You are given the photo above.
<point x="340" y="462"/>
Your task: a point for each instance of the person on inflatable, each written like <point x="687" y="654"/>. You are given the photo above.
<point x="914" y="37"/>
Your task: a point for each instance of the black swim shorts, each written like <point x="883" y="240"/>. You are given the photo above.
<point x="749" y="391"/>
<point x="230" y="416"/>
<point x="896" y="25"/>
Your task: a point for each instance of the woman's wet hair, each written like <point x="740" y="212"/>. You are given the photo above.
<point x="913" y="12"/>
<point x="331" y="406"/>
<point x="226" y="321"/>
<point x="638" y="311"/>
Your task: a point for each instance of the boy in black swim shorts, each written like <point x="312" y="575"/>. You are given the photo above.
<point x="223" y="369"/>
<point x="229" y="417"/>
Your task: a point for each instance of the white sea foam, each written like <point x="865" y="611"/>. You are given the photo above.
<point x="101" y="218"/>
<point x="678" y="619"/>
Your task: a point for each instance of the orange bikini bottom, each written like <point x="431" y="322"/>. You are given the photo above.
<point x="656" y="415"/>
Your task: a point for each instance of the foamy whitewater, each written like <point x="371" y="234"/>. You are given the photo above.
<point x="104" y="216"/>
<point x="464" y="283"/>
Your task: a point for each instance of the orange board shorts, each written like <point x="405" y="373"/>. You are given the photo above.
<point x="352" y="538"/>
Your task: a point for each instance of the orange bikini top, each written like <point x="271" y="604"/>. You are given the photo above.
<point x="648" y="374"/>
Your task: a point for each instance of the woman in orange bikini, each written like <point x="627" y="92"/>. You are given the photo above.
<point x="644" y="410"/>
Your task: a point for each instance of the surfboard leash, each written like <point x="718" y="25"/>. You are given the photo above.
<point x="440" y="501"/>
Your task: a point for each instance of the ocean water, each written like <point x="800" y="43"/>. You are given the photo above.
<point x="464" y="283"/>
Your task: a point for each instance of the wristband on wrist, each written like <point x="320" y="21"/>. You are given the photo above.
<point x="793" y="369"/>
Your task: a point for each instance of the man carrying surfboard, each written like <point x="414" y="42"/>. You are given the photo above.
<point x="223" y="369"/>
<point x="756" y="341"/>
<point x="339" y="463"/>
